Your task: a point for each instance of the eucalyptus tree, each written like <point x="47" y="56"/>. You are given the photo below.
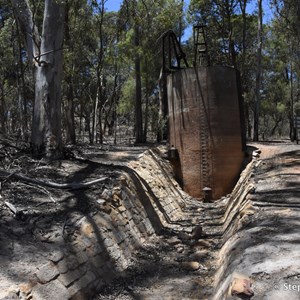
<point x="14" y="88"/>
<point x="7" y="67"/>
<point x="219" y="17"/>
<point x="258" y="71"/>
<point x="78" y="62"/>
<point x="286" y="27"/>
<point x="231" y="38"/>
<point x="44" y="45"/>
<point x="106" y="70"/>
<point x="144" y="21"/>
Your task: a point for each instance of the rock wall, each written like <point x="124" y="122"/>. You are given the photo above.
<point x="75" y="256"/>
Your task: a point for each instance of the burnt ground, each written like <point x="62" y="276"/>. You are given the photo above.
<point x="268" y="248"/>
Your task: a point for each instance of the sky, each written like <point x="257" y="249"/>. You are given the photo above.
<point x="113" y="5"/>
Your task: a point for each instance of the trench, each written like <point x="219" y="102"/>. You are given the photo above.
<point x="134" y="239"/>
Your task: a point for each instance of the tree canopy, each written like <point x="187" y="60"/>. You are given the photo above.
<point x="105" y="66"/>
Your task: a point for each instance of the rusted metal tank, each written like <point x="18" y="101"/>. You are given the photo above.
<point x="205" y="128"/>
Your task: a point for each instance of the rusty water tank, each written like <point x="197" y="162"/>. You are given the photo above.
<point x="205" y="128"/>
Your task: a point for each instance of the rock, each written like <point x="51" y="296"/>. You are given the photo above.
<point x="9" y="294"/>
<point x="106" y="194"/>
<point x="200" y="254"/>
<point x="184" y="236"/>
<point x="56" y="256"/>
<point x="62" y="266"/>
<point x="68" y="278"/>
<point x="101" y="201"/>
<point x="106" y="208"/>
<point x="47" y="272"/>
<point x="87" y="229"/>
<point x="25" y="289"/>
<point x="173" y="241"/>
<point x="190" y="265"/>
<point x="50" y="291"/>
<point x="241" y="287"/>
<point x="180" y="249"/>
<point x="201" y="244"/>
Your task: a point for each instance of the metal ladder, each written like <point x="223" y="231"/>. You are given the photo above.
<point x="201" y="56"/>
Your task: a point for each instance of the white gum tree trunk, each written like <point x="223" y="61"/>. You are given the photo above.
<point x="45" y="51"/>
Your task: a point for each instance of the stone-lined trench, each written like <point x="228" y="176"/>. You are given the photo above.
<point x="132" y="232"/>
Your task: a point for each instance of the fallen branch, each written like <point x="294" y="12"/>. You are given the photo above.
<point x="68" y="186"/>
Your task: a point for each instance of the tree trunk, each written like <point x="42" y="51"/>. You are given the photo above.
<point x="146" y="112"/>
<point x="3" y="117"/>
<point x="21" y="91"/>
<point x="94" y="120"/>
<point x="70" y="121"/>
<point x="291" y="113"/>
<point x="258" y="73"/>
<point x="47" y="55"/>
<point x="46" y="126"/>
<point x="231" y="52"/>
<point x="70" y="111"/>
<point x="243" y="6"/>
<point x="139" y="136"/>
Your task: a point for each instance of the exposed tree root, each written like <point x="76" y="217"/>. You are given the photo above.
<point x="68" y="186"/>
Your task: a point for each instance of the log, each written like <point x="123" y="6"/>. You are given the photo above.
<point x="68" y="186"/>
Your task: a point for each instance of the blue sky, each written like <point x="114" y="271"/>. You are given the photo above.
<point x="113" y="5"/>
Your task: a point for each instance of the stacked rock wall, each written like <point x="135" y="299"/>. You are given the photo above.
<point x="75" y="256"/>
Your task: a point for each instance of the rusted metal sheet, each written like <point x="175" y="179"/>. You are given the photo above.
<point x="205" y="128"/>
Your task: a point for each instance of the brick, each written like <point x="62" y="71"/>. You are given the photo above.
<point x="86" y="241"/>
<point x="119" y="237"/>
<point x="108" y="242"/>
<point x="121" y="208"/>
<point x="148" y="225"/>
<point x="69" y="277"/>
<point x="96" y="248"/>
<point x="62" y="266"/>
<point x="73" y="291"/>
<point x="99" y="261"/>
<point x="72" y="262"/>
<point x="50" y="291"/>
<point x="82" y="257"/>
<point x="80" y="295"/>
<point x="103" y="221"/>
<point x="88" y="278"/>
<point x="56" y="256"/>
<point x="47" y="272"/>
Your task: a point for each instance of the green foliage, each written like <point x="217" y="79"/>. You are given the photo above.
<point x="126" y="105"/>
<point x="100" y="52"/>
